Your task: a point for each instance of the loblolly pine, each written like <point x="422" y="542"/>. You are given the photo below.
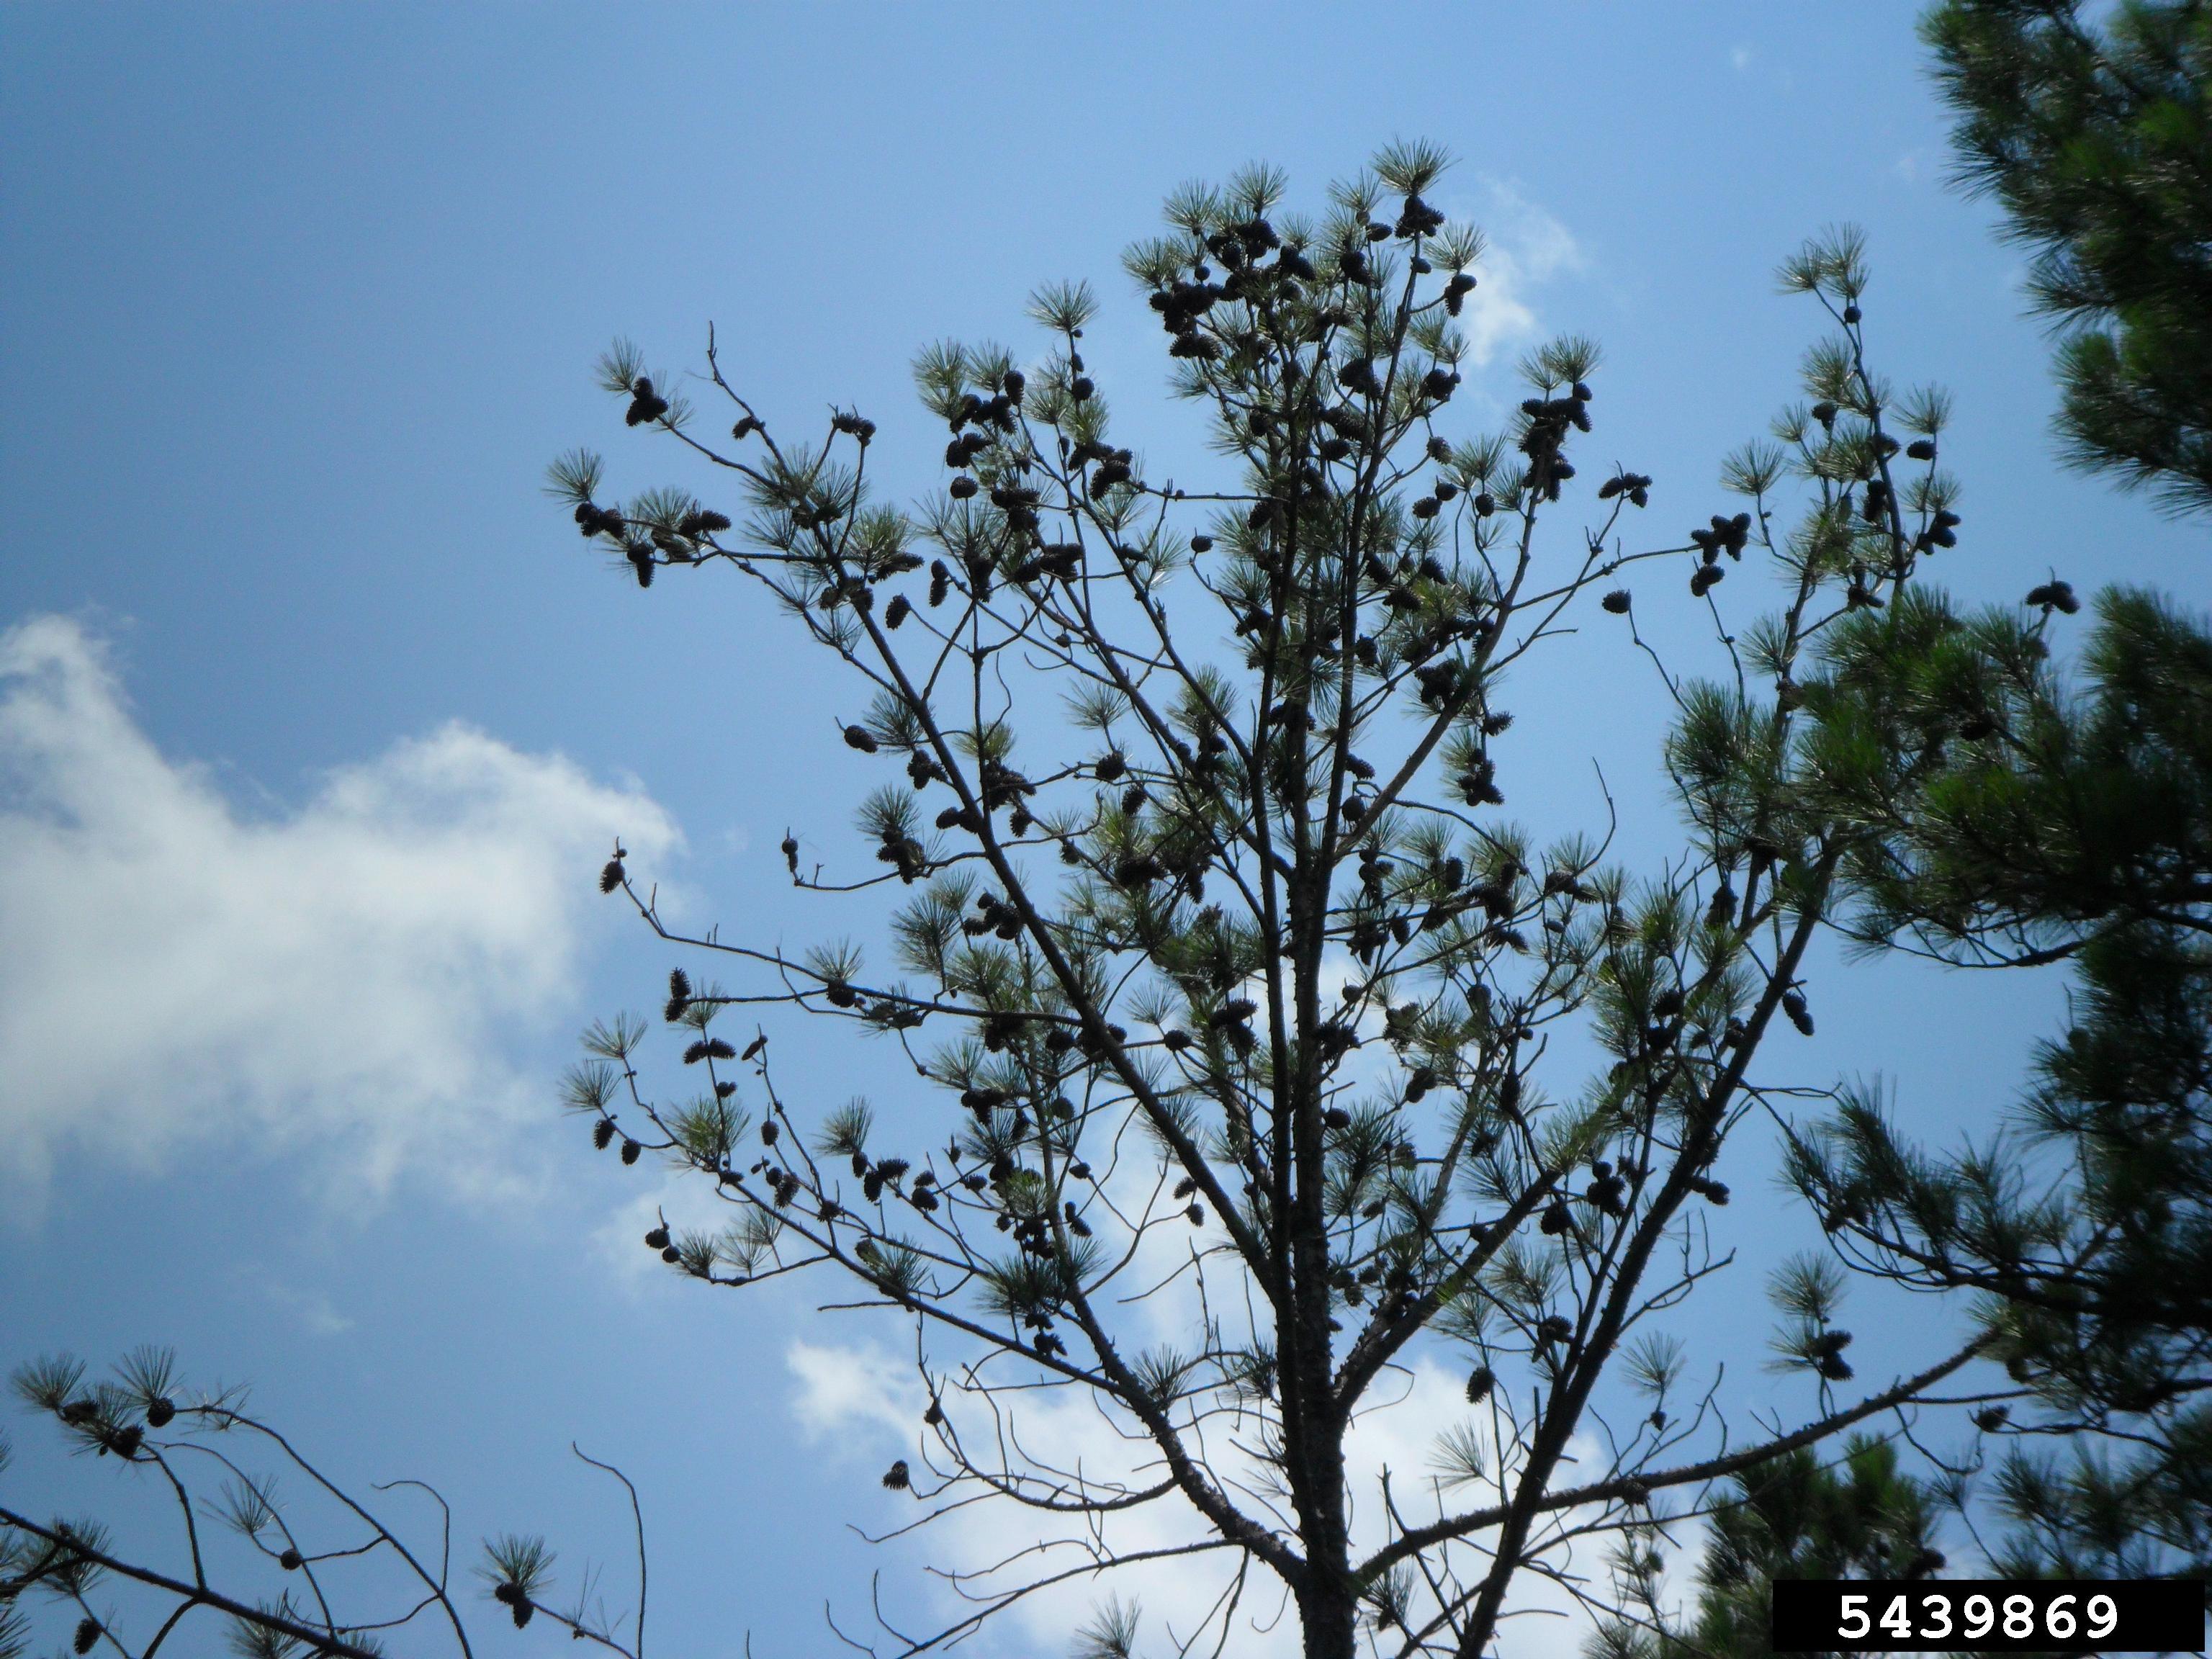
<point x="1347" y="591"/>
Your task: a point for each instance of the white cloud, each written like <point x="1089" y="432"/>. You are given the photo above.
<point x="842" y="1388"/>
<point x="677" y="1197"/>
<point x="864" y="1403"/>
<point x="345" y="979"/>
<point x="868" y="1404"/>
<point x="317" y="1313"/>
<point x="1527" y="248"/>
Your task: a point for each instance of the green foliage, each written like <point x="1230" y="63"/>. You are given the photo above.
<point x="706" y="1130"/>
<point x="2101" y="1513"/>
<point x="49" y="1382"/>
<point x="2036" y="816"/>
<point x="251" y="1640"/>
<point x="614" y="1040"/>
<point x="2040" y="821"/>
<point x="1796" y="1517"/>
<point x="523" y="1561"/>
<point x="1111" y="1633"/>
<point x="844" y="1132"/>
<point x="2099" y="147"/>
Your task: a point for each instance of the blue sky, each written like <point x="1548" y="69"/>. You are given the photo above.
<point x="318" y="718"/>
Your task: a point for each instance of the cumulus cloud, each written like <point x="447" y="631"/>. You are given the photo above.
<point x="842" y="1388"/>
<point x="863" y="1403"/>
<point x="314" y="1312"/>
<point x="1526" y="247"/>
<point x="348" y="979"/>
<point x="866" y="1404"/>
<point x="674" y="1197"/>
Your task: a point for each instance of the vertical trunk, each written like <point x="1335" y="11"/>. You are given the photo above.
<point x="1327" y="1623"/>
<point x="1314" y="1470"/>
<point x="1327" y="1604"/>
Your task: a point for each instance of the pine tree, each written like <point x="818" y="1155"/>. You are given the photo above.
<point x="1240" y="959"/>
<point x="1796" y="1517"/>
<point x="2071" y="830"/>
<point x="2099" y="147"/>
<point x="2062" y="820"/>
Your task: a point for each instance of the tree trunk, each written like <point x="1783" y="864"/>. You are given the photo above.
<point x="1328" y="1623"/>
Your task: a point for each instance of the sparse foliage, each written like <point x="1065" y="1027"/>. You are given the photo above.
<point x="328" y="1576"/>
<point x="1232" y="989"/>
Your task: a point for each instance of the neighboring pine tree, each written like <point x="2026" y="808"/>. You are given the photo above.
<point x="1796" y="1517"/>
<point x="2062" y="825"/>
<point x="2099" y="146"/>
<point x="2066" y="821"/>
